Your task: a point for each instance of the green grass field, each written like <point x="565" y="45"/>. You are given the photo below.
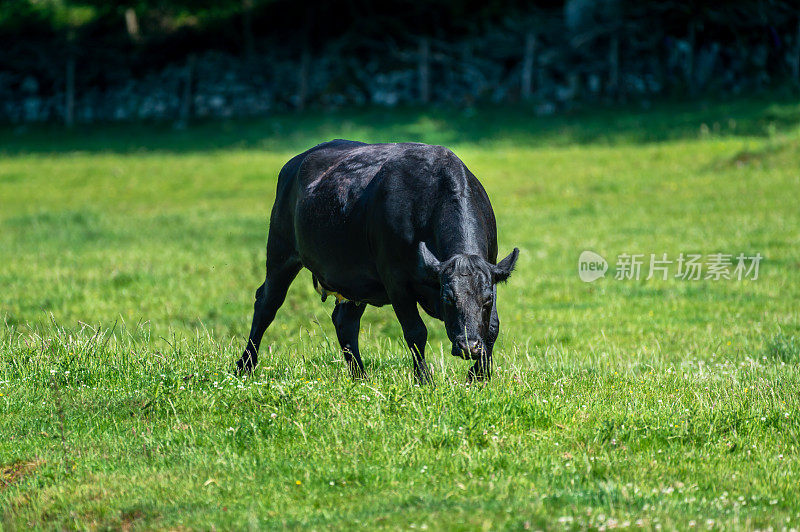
<point x="130" y="255"/>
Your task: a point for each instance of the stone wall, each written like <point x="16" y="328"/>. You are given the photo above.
<point x="460" y="73"/>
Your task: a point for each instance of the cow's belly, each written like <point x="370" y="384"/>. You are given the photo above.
<point x="335" y="250"/>
<point x="362" y="290"/>
<point x="346" y="282"/>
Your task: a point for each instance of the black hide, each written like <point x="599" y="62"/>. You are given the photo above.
<point x="377" y="224"/>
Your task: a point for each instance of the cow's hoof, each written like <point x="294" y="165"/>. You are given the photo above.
<point x="357" y="373"/>
<point x="477" y="374"/>
<point x="424" y="379"/>
<point x="245" y="365"/>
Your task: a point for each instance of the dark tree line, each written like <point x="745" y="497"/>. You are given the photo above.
<point x="106" y="60"/>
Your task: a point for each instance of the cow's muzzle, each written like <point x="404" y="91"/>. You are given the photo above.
<point x="468" y="349"/>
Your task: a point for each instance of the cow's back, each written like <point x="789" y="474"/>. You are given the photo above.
<point x="345" y="204"/>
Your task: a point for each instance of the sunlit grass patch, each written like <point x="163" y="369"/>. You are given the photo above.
<point x="127" y="291"/>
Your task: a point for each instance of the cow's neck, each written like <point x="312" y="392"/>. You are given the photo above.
<point x="459" y="232"/>
<point x="460" y="244"/>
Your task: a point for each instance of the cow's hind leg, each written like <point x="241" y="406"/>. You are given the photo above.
<point x="347" y="320"/>
<point x="282" y="267"/>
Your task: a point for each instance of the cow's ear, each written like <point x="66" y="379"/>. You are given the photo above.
<point x="428" y="266"/>
<point x="503" y="269"/>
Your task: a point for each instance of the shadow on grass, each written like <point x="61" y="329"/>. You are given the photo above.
<point x="491" y="126"/>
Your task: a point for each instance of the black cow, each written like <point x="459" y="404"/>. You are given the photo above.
<point x="387" y="223"/>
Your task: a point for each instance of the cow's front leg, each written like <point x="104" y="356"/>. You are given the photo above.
<point x="416" y="335"/>
<point x="482" y="370"/>
<point x="347" y="320"/>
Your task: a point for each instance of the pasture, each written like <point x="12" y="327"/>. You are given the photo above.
<point x="130" y="256"/>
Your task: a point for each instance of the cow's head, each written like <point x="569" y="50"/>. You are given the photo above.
<point x="467" y="296"/>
